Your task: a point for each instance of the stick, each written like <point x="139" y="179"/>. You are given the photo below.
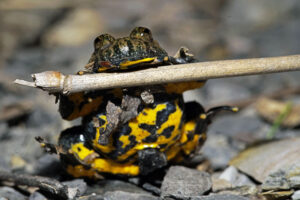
<point x="55" y="82"/>
<point x="43" y="183"/>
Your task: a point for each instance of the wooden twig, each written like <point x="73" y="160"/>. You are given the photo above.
<point x="47" y="184"/>
<point x="55" y="82"/>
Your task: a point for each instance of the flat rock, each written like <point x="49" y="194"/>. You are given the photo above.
<point x="267" y="156"/>
<point x="184" y="183"/>
<point x="221" y="197"/>
<point x="283" y="179"/>
<point x="280" y="194"/>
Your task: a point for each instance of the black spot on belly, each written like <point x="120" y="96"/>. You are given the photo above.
<point x="125" y="130"/>
<point x="150" y="139"/>
<point x="119" y="150"/>
<point x="132" y="140"/>
<point x="90" y="132"/>
<point x="163" y="145"/>
<point x="190" y="136"/>
<point x="167" y="132"/>
<point x="150" y="128"/>
<point x="193" y="110"/>
<point x="163" y="115"/>
<point x="144" y="113"/>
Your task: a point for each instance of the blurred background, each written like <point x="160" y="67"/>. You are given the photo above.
<point x="38" y="35"/>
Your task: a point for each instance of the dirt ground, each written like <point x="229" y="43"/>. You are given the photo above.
<point x="38" y="35"/>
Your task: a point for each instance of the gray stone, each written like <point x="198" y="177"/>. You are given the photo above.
<point x="246" y="190"/>
<point x="3" y="130"/>
<point x="275" y="181"/>
<point x="104" y="186"/>
<point x="238" y="124"/>
<point x="11" y="194"/>
<point x="232" y="175"/>
<point x="151" y="188"/>
<point x="183" y="183"/>
<point x="295" y="181"/>
<point x="47" y="165"/>
<point x="78" y="184"/>
<point x="37" y="196"/>
<point x="296" y="195"/>
<point x="285" y="178"/>
<point x="218" y="150"/>
<point x="128" y="196"/>
<point x="221" y="197"/>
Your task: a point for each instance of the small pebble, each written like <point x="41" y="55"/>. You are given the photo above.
<point x="232" y="175"/>
<point x="116" y="195"/>
<point x="184" y="183"/>
<point x="79" y="184"/>
<point x="296" y="195"/>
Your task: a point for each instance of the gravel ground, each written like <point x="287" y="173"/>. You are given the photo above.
<point x="37" y="36"/>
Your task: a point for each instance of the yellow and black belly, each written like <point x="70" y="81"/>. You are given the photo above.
<point x="162" y="131"/>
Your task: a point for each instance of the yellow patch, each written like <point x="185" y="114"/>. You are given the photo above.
<point x="104" y="68"/>
<point x="179" y="88"/>
<point x="203" y="116"/>
<point x="190" y="146"/>
<point x="80" y="171"/>
<point x="87" y="108"/>
<point x="126" y="64"/>
<point x="235" y="109"/>
<point x="145" y="146"/>
<point x="124" y="139"/>
<point x="147" y="116"/>
<point x="109" y="166"/>
<point x="81" y="151"/>
<point x="173" y="152"/>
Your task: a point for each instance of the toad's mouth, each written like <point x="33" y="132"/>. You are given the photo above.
<point x="127" y="64"/>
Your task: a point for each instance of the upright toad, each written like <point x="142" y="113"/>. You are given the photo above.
<point x="131" y="131"/>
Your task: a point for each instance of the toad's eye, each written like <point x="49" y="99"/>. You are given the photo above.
<point x="141" y="33"/>
<point x="103" y="41"/>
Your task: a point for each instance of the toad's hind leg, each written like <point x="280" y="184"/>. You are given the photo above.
<point x="81" y="160"/>
<point x="194" y="129"/>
